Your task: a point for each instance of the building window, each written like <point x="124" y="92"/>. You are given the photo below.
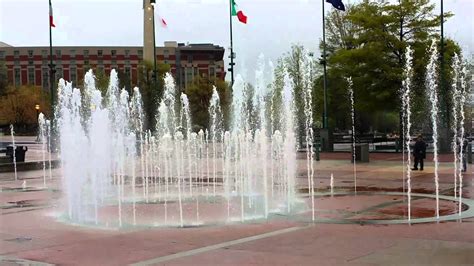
<point x="166" y="53"/>
<point x="128" y="72"/>
<point x="189" y="75"/>
<point x="86" y="53"/>
<point x="114" y="63"/>
<point x="114" y="52"/>
<point x="58" y="53"/>
<point x="73" y="74"/>
<point x="86" y="63"/>
<point x="190" y="59"/>
<point x="59" y="73"/>
<point x="100" y="62"/>
<point x="31" y="76"/>
<point x="44" y="53"/>
<point x="127" y="53"/>
<point x="212" y="72"/>
<point x="140" y="53"/>
<point x="72" y="62"/>
<point x="17" y="77"/>
<point x="16" y="53"/>
<point x="30" y="53"/>
<point x="128" y="76"/>
<point x="2" y="54"/>
<point x="127" y="62"/>
<point x="30" y="62"/>
<point x="100" y="52"/>
<point x="72" y="53"/>
<point x="45" y="81"/>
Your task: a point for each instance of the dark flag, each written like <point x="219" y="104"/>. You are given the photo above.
<point x="337" y="4"/>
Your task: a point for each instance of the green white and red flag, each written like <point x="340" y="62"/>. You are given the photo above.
<point x="51" y="23"/>
<point x="238" y="13"/>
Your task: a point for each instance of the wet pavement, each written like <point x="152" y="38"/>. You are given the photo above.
<point x="32" y="234"/>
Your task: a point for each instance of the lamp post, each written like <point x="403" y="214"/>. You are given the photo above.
<point x="37" y="108"/>
<point x="153" y="3"/>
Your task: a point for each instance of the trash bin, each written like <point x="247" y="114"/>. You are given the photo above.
<point x="20" y="152"/>
<point x="361" y="152"/>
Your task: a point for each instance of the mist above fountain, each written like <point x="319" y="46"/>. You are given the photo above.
<point x="117" y="174"/>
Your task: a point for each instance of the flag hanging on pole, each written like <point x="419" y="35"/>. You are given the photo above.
<point x="238" y="13"/>
<point x="51" y="23"/>
<point x="163" y="22"/>
<point x="337" y="4"/>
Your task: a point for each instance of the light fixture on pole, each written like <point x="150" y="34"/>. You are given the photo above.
<point x="37" y="107"/>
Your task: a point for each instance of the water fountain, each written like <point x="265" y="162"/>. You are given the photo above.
<point x="185" y="178"/>
<point x="12" y="133"/>
<point x="42" y="134"/>
<point x="459" y="95"/>
<point x="406" y="86"/>
<point x="351" y="96"/>
<point x="432" y="86"/>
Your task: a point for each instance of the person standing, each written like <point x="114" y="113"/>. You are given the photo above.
<point x="419" y="152"/>
<point x="463" y="156"/>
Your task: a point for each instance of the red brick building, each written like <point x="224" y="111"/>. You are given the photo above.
<point x="30" y="65"/>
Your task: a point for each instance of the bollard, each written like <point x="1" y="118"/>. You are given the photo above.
<point x="361" y="153"/>
<point x="317" y="146"/>
<point x="469" y="153"/>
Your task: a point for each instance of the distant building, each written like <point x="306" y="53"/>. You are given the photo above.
<point x="30" y="65"/>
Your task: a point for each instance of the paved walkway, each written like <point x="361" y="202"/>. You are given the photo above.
<point x="31" y="232"/>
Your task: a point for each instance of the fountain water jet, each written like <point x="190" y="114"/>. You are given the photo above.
<point x="12" y="133"/>
<point x="406" y="86"/>
<point x="431" y="82"/>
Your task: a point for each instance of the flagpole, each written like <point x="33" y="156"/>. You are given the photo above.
<point x="325" y="81"/>
<point x="442" y="49"/>
<point x="231" y="69"/>
<point x="155" y="78"/>
<point x="52" y="71"/>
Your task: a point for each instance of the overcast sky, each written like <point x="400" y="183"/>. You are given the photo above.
<point x="273" y="25"/>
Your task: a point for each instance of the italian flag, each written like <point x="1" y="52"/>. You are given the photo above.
<point x="51" y="23"/>
<point x="238" y="13"/>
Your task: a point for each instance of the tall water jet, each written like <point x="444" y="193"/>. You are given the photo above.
<point x="288" y="150"/>
<point x="12" y="134"/>
<point x="406" y="87"/>
<point x="461" y="69"/>
<point x="307" y="62"/>
<point x="354" y="164"/>
<point x="42" y="137"/>
<point x="432" y="84"/>
<point x="215" y="129"/>
<point x="50" y="151"/>
<point x="454" y="126"/>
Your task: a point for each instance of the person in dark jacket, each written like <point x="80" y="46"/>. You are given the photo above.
<point x="463" y="156"/>
<point x="419" y="152"/>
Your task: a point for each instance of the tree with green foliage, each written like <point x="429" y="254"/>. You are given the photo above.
<point x="199" y="93"/>
<point x="151" y="92"/>
<point x="17" y="106"/>
<point x="368" y="42"/>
